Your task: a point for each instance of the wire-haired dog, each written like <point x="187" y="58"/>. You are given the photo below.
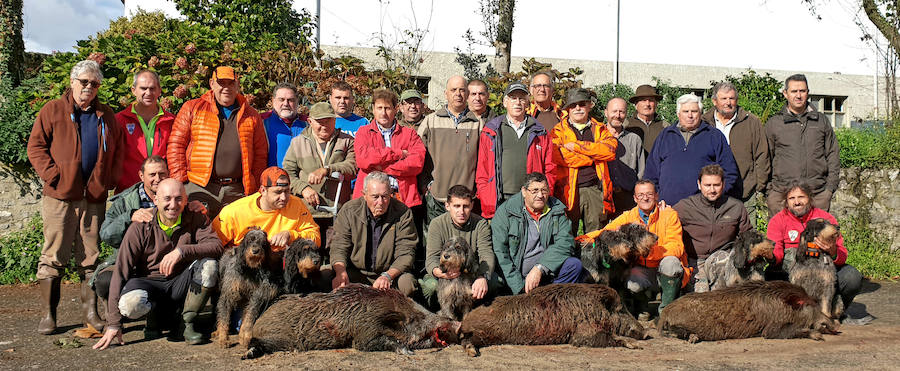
<point x="455" y="295"/>
<point x="246" y="283"/>
<point x="301" y="267"/>
<point x="745" y="261"/>
<point x="608" y="258"/>
<point x="813" y="268"/>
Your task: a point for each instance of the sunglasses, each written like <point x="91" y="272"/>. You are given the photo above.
<point x="91" y="83"/>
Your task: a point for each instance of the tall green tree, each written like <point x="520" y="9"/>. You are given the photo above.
<point x="12" y="48"/>
<point x="264" y="23"/>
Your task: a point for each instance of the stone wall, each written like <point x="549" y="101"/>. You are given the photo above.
<point x="20" y="194"/>
<point x="875" y="193"/>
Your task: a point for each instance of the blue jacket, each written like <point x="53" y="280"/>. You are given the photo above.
<point x="674" y="166"/>
<point x="280" y="135"/>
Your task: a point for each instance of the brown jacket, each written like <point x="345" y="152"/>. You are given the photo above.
<point x="751" y="152"/>
<point x="707" y="226"/>
<point x="54" y="149"/>
<point x="398" y="241"/>
<point x="145" y="245"/>
<point x="303" y="157"/>
<point x="803" y="148"/>
<point x="648" y="134"/>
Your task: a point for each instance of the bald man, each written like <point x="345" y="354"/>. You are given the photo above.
<point x="158" y="262"/>
<point x="628" y="167"/>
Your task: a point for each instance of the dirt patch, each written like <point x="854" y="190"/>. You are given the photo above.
<point x="875" y="346"/>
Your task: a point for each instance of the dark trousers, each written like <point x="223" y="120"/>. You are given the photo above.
<point x="569" y="272"/>
<point x="588" y="208"/>
<point x="169" y="293"/>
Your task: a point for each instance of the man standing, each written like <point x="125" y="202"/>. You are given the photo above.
<point x="145" y="125"/>
<point x="646" y="123"/>
<point x="374" y="239"/>
<point x="683" y="149"/>
<point x="584" y="149"/>
<point x="412" y="109"/>
<point x="542" y="107"/>
<point x="787" y="225"/>
<point x="745" y="136"/>
<point x="665" y="268"/>
<point x="386" y="146"/>
<point x="532" y="238"/>
<point x="459" y="221"/>
<point x="319" y="151"/>
<point x="74" y="146"/>
<point x="709" y="220"/>
<point x="510" y="147"/>
<point x="225" y="140"/>
<point x="342" y="101"/>
<point x="283" y="122"/>
<point x="629" y="164"/>
<point x="478" y="101"/>
<point x="274" y="210"/>
<point x="162" y="263"/>
<point x="803" y="148"/>
<point x="450" y="135"/>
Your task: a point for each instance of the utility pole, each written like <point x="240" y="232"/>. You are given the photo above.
<point x="616" y="65"/>
<point x="318" y="24"/>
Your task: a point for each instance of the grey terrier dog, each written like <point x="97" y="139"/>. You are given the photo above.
<point x="745" y="261"/>
<point x="455" y="295"/>
<point x="608" y="258"/>
<point x="813" y="269"/>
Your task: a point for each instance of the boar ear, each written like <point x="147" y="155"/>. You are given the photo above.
<point x="796" y="301"/>
<point x="393" y="320"/>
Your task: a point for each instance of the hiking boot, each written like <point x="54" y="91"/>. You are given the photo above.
<point x="49" y="302"/>
<point x="193" y="303"/>
<point x="89" y="305"/>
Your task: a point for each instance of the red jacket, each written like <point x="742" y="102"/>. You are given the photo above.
<point x="540" y="159"/>
<point x="373" y="155"/>
<point x="135" y="150"/>
<point x="785" y="229"/>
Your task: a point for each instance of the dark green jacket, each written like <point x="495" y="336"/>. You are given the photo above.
<point x="118" y="215"/>
<point x="509" y="230"/>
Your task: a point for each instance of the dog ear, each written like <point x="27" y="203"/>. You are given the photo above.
<point x="739" y="252"/>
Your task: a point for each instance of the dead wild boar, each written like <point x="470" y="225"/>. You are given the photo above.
<point x="773" y="310"/>
<point x="578" y="314"/>
<point x="354" y="316"/>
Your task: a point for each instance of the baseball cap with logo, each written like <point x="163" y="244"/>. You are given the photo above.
<point x="274" y="176"/>
<point x="321" y="110"/>
<point x="515" y="86"/>
<point x="224" y="73"/>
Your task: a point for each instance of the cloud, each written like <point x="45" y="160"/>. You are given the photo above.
<point x="55" y="25"/>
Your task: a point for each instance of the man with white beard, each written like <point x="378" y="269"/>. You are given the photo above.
<point x="283" y="122"/>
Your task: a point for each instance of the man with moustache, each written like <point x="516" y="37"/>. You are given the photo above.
<point x="478" y="101"/>
<point x="745" y="135"/>
<point x="343" y="101"/>
<point x="510" y="147"/>
<point x="225" y="140"/>
<point x="542" y="107"/>
<point x="583" y="150"/>
<point x="628" y="166"/>
<point x="145" y="125"/>
<point x="283" y="123"/>
<point x="646" y="123"/>
<point x="412" y="109"/>
<point x="75" y="146"/>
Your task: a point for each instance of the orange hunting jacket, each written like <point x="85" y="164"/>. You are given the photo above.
<point x="192" y="144"/>
<point x="597" y="153"/>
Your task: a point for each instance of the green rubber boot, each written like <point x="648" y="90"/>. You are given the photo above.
<point x="193" y="303"/>
<point x="670" y="287"/>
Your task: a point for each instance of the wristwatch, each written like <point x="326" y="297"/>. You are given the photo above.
<point x="388" y="276"/>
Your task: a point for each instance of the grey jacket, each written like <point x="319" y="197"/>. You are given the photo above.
<point x="804" y="148"/>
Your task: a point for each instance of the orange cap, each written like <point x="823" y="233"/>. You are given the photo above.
<point x="273" y="175"/>
<point x="224" y="73"/>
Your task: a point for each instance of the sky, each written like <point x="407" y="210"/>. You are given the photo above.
<point x="770" y="34"/>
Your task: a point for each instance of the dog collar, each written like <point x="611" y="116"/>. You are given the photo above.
<point x="813" y="250"/>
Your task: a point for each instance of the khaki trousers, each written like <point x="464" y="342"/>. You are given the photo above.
<point x="589" y="209"/>
<point x="70" y="227"/>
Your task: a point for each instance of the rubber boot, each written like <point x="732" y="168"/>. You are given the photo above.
<point x="89" y="305"/>
<point x="151" y="328"/>
<point x="670" y="287"/>
<point x="49" y="302"/>
<point x="193" y="303"/>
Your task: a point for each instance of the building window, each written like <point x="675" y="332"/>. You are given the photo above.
<point x="832" y="106"/>
<point x="422" y="85"/>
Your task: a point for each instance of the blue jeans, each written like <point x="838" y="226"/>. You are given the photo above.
<point x="569" y="272"/>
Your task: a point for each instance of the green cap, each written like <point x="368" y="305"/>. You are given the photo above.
<point x="321" y="110"/>
<point x="410" y="93"/>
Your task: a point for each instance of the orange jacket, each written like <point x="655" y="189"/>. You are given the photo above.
<point x="665" y="225"/>
<point x="597" y="153"/>
<point x="192" y="144"/>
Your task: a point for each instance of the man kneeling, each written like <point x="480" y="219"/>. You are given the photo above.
<point x="158" y="262"/>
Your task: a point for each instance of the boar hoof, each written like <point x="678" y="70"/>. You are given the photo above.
<point x="628" y="342"/>
<point x="693" y="339"/>
<point x="816" y="335"/>
<point x="472" y="351"/>
<point x="405" y="351"/>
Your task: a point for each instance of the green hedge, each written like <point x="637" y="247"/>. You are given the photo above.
<point x="870" y="148"/>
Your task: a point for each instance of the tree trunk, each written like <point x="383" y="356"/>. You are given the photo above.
<point x="890" y="32"/>
<point x="503" y="43"/>
<point x="12" y="47"/>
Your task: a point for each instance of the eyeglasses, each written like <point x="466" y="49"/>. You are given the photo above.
<point x="541" y="86"/>
<point x="642" y="196"/>
<point x="583" y="103"/>
<point x="536" y="191"/>
<point x="91" y="83"/>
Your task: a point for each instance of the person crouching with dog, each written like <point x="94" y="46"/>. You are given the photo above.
<point x="163" y="263"/>
<point x="665" y="268"/>
<point x="273" y="209"/>
<point x="786" y="227"/>
<point x="459" y="221"/>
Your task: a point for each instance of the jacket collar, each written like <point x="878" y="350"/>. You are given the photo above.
<point x="444" y="112"/>
<point x="740" y="114"/>
<point x="811" y="113"/>
<point x="533" y="127"/>
<point x="518" y="206"/>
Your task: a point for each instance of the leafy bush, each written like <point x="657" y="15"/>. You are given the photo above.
<point x="869" y="252"/>
<point x="21" y="250"/>
<point x="759" y="94"/>
<point x="608" y="91"/>
<point x="869" y="148"/>
<point x="17" y="115"/>
<point x="562" y="81"/>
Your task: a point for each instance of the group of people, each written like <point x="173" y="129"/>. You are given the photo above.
<point x="381" y="197"/>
